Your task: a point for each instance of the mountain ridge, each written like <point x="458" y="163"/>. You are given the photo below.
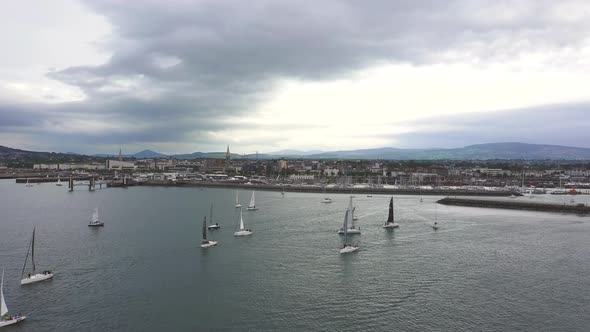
<point x="485" y="151"/>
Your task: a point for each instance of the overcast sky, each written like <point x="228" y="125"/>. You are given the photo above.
<point x="182" y="76"/>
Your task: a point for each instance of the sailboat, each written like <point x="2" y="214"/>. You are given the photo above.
<point x="5" y="319"/>
<point x="435" y="225"/>
<point x="390" y="223"/>
<point x="354" y="217"/>
<point x="352" y="229"/>
<point x="206" y="243"/>
<point x="347" y="248"/>
<point x="252" y="205"/>
<point x="326" y="199"/>
<point x="29" y="184"/>
<point x="32" y="276"/>
<point x="94" y="220"/>
<point x="238" y="205"/>
<point x="242" y="231"/>
<point x="212" y="225"/>
<point x="59" y="182"/>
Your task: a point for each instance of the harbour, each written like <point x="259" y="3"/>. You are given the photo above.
<point x="146" y="271"/>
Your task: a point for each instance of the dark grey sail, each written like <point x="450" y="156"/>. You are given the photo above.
<point x="390" y="217"/>
<point x="205" y="229"/>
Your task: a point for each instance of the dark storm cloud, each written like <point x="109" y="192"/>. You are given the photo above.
<point x="561" y="124"/>
<point x="182" y="67"/>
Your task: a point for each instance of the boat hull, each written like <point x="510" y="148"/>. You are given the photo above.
<point x="327" y="201"/>
<point x="36" y="278"/>
<point x="251" y="208"/>
<point x="350" y="231"/>
<point x="12" y="321"/>
<point x="212" y="227"/>
<point x="238" y="206"/>
<point x="243" y="233"/>
<point x="209" y="244"/>
<point x="99" y="224"/>
<point x="392" y="225"/>
<point x="348" y="249"/>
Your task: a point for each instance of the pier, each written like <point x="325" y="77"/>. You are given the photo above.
<point x="530" y="206"/>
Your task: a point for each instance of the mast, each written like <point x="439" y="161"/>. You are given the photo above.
<point x="390" y="217"/>
<point x="346" y="226"/>
<point x="211" y="214"/>
<point x="33" y="250"/>
<point x="3" y="307"/>
<point x="205" y="228"/>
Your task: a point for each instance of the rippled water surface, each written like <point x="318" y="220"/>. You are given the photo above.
<point x="483" y="270"/>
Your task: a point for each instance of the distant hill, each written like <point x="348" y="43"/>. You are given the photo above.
<point x="508" y="150"/>
<point x="148" y="154"/>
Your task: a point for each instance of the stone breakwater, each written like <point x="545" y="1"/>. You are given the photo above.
<point x="531" y="206"/>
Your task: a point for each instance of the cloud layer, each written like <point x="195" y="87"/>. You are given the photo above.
<point x="193" y="75"/>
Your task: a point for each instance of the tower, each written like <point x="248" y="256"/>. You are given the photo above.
<point x="227" y="160"/>
<point x="120" y="155"/>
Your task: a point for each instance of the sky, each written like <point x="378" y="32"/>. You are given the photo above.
<point x="182" y="76"/>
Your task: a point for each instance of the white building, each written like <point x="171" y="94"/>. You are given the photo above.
<point x="120" y="165"/>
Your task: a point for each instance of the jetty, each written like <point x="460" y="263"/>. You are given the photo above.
<point x="530" y="206"/>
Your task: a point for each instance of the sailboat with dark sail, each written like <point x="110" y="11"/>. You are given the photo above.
<point x="206" y="243"/>
<point x="32" y="276"/>
<point x="212" y="225"/>
<point x="390" y="223"/>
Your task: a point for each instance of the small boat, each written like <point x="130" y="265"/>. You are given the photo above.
<point x="283" y="191"/>
<point x="212" y="226"/>
<point x="242" y="231"/>
<point x="29" y="184"/>
<point x="252" y="205"/>
<point x="32" y="276"/>
<point x="59" y="184"/>
<point x="94" y="220"/>
<point x="435" y="225"/>
<point x="352" y="229"/>
<point x="5" y="319"/>
<point x="512" y="196"/>
<point x="206" y="243"/>
<point x="347" y="248"/>
<point x="369" y="195"/>
<point x="390" y="223"/>
<point x="238" y="205"/>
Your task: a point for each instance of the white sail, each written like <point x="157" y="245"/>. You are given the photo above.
<point x="252" y="200"/>
<point x="3" y="307"/>
<point x="237" y="200"/>
<point x="241" y="221"/>
<point x="95" y="216"/>
<point x="351" y="209"/>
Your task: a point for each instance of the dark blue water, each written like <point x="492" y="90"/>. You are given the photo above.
<point x="483" y="270"/>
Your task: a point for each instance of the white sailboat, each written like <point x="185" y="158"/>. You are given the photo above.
<point x="32" y="276"/>
<point x="390" y="223"/>
<point x="252" y="205"/>
<point x="212" y="225"/>
<point x="354" y="217"/>
<point x="347" y="248"/>
<point x="238" y="205"/>
<point x="206" y="243"/>
<point x="326" y="199"/>
<point x="6" y="319"/>
<point x="242" y="231"/>
<point x="94" y="220"/>
<point x="352" y="229"/>
<point x="59" y="184"/>
<point x="29" y="184"/>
